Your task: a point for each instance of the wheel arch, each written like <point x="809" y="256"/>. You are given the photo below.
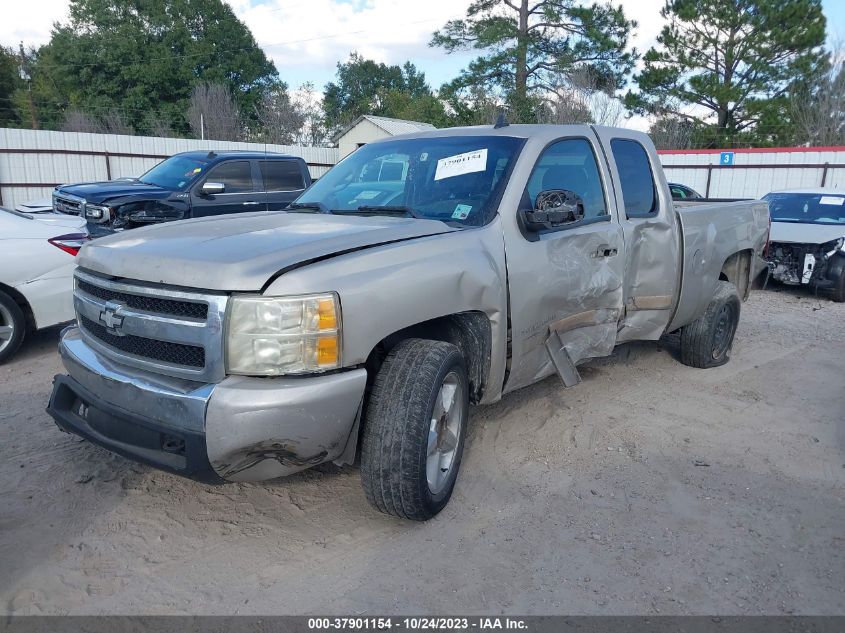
<point x="470" y="332"/>
<point x="737" y="269"/>
<point x="18" y="298"/>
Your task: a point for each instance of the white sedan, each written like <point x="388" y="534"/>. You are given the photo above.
<point x="36" y="273"/>
<point x="807" y="240"/>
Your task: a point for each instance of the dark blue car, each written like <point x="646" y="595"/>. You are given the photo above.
<point x="187" y="185"/>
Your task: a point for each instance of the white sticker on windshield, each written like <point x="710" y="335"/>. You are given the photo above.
<point x="367" y="195"/>
<point x="459" y="164"/>
<point x="832" y="200"/>
<point x="461" y="212"/>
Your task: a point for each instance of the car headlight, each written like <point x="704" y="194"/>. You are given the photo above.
<point x="96" y="213"/>
<point x="272" y="336"/>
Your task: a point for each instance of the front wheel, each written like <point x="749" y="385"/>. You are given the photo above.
<point x="707" y="341"/>
<point x="12" y="326"/>
<point x="414" y="429"/>
<point x="838" y="294"/>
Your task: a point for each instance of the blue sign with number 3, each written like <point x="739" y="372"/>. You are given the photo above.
<point x="726" y="158"/>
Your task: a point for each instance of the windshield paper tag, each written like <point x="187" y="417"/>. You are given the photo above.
<point x="461" y="212"/>
<point x="460" y="164"/>
<point x="367" y="195"/>
<point x="830" y="200"/>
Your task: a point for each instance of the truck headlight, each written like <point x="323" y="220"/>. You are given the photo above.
<point x="272" y="336"/>
<point x="96" y="213"/>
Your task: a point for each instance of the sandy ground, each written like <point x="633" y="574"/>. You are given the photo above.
<point x="649" y="488"/>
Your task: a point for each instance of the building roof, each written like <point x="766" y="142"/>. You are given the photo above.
<point x="393" y="127"/>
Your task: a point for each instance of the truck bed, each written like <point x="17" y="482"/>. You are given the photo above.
<point x="705" y="228"/>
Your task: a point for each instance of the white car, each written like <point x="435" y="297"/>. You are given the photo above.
<point x="44" y="205"/>
<point x="36" y="273"/>
<point x="807" y="239"/>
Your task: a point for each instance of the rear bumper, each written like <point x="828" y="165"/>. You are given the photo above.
<point x="241" y="429"/>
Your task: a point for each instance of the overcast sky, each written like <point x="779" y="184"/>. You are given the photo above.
<point x="306" y="38"/>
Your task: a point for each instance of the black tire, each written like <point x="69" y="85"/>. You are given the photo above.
<point x="838" y="294"/>
<point x="12" y="316"/>
<point x="707" y="342"/>
<point x="398" y="421"/>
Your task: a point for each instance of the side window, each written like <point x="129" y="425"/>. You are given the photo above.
<point x="678" y="193"/>
<point x="236" y="176"/>
<point x="570" y="164"/>
<point x="636" y="179"/>
<point x="281" y="175"/>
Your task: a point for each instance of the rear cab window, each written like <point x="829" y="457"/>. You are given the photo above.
<point x="639" y="192"/>
<point x="281" y="175"/>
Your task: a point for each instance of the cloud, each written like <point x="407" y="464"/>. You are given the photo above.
<point x="318" y="33"/>
<point x="30" y="22"/>
<point x="307" y="38"/>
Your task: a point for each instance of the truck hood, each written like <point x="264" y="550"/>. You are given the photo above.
<point x="98" y="192"/>
<point x="798" y="233"/>
<point x="242" y="252"/>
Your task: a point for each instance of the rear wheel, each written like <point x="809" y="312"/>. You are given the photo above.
<point x="414" y="430"/>
<point x="12" y="326"/>
<point x="707" y="341"/>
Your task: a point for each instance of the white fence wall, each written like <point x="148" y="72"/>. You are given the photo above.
<point x="32" y="162"/>
<point x="755" y="172"/>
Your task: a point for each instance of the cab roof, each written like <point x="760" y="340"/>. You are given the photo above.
<point x="237" y="153"/>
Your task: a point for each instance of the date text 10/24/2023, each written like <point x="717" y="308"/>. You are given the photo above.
<point x="416" y="623"/>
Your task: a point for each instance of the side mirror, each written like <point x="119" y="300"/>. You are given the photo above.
<point x="554" y="208"/>
<point x="212" y="188"/>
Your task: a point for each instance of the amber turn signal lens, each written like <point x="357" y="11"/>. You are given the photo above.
<point x="326" y="312"/>
<point x="327" y="351"/>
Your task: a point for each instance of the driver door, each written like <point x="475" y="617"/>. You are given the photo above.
<point x="240" y="191"/>
<point x="566" y="280"/>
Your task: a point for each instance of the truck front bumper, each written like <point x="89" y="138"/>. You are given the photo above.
<point x="241" y="429"/>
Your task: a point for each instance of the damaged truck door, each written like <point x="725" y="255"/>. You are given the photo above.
<point x="565" y="278"/>
<point x="421" y="275"/>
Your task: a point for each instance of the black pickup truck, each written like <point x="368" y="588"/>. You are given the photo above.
<point x="187" y="185"/>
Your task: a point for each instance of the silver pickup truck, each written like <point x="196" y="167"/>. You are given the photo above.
<point x="421" y="275"/>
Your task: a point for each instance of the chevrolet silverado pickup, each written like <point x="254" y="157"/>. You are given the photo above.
<point x="187" y="185"/>
<point x="369" y="316"/>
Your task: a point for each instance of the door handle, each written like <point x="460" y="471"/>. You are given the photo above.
<point x="251" y="202"/>
<point x="605" y="251"/>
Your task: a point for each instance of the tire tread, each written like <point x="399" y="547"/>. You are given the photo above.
<point x="396" y="425"/>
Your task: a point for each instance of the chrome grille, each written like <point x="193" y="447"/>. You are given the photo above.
<point x="190" y="309"/>
<point x="66" y="203"/>
<point x="157" y="328"/>
<point x="175" y="353"/>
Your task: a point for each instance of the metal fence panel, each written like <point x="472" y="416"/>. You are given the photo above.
<point x="755" y="172"/>
<point x="32" y="162"/>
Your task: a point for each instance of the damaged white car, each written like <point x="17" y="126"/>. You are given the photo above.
<point x="807" y="241"/>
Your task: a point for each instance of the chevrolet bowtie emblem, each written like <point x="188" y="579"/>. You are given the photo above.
<point x="110" y="317"/>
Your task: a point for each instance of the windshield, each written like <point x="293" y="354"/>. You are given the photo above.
<point x="457" y="179"/>
<point x="807" y="208"/>
<point x="175" y="172"/>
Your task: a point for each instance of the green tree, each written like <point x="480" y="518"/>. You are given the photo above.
<point x="529" y="48"/>
<point x="730" y="64"/>
<point x="11" y="83"/>
<point x="144" y="57"/>
<point x="363" y="86"/>
<point x="817" y="107"/>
